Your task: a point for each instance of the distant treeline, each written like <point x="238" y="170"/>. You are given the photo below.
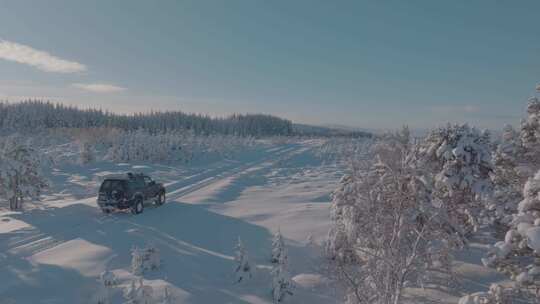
<point x="308" y="130"/>
<point x="29" y="116"/>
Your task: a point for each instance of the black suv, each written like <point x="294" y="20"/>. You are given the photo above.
<point x="129" y="191"/>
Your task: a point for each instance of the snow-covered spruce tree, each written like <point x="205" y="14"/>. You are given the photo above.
<point x="243" y="268"/>
<point x="529" y="136"/>
<point x="282" y="285"/>
<point x="20" y="172"/>
<point x="277" y="247"/>
<point x="519" y="254"/>
<point x="386" y="233"/>
<point x="460" y="157"/>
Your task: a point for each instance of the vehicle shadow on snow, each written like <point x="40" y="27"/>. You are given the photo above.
<point x="196" y="245"/>
<point x="26" y="282"/>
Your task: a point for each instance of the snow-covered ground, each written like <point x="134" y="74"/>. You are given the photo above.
<point x="55" y="251"/>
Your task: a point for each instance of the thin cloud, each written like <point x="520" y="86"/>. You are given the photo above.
<point x="44" y="61"/>
<point x="456" y="109"/>
<point x="99" y="87"/>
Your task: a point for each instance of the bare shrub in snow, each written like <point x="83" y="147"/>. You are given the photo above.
<point x="20" y="172"/>
<point x="460" y="158"/>
<point x="386" y="232"/>
<point x="282" y="285"/>
<point x="243" y="268"/>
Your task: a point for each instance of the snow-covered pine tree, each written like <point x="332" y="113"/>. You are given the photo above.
<point x="243" y="268"/>
<point x="529" y="136"/>
<point x="20" y="172"/>
<point x="519" y="254"/>
<point x="460" y="157"/>
<point x="282" y="285"/>
<point x="386" y="232"/>
<point x="507" y="182"/>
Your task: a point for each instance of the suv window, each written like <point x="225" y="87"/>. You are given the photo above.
<point x="138" y="182"/>
<point x="110" y="185"/>
<point x="147" y="180"/>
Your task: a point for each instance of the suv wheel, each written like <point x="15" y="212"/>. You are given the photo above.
<point x="138" y="207"/>
<point x="160" y="199"/>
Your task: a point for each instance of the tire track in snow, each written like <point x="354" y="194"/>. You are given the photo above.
<point x="192" y="187"/>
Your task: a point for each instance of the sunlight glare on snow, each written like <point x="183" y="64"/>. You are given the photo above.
<point x="87" y="258"/>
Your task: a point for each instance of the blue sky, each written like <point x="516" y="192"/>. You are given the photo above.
<point x="373" y="64"/>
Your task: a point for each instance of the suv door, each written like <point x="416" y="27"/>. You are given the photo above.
<point x="149" y="186"/>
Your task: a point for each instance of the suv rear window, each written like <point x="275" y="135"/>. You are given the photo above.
<point x="111" y="184"/>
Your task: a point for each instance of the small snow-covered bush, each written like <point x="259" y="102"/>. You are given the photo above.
<point x="243" y="268"/>
<point x="495" y="295"/>
<point x="138" y="293"/>
<point x="282" y="284"/>
<point x="143" y="259"/>
<point x="108" y="278"/>
<point x="87" y="154"/>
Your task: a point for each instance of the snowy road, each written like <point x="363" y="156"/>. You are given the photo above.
<point x="58" y="248"/>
